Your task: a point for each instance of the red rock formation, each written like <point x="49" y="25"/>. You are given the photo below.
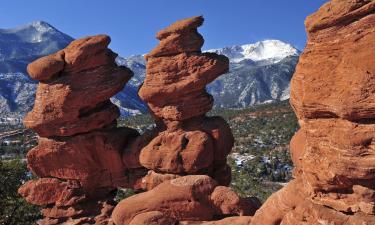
<point x="332" y="93"/>
<point x="78" y="156"/>
<point x="185" y="141"/>
<point x="82" y="157"/>
<point x="194" y="197"/>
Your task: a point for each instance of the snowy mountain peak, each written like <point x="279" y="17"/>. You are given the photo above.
<point x="34" y="32"/>
<point x="42" y="27"/>
<point x="270" y="50"/>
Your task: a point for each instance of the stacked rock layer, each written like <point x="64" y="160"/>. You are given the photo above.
<point x="333" y="95"/>
<point x="187" y="150"/>
<point x="185" y="141"/>
<point x="78" y="156"/>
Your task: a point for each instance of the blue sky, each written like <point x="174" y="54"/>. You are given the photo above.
<point x="133" y="24"/>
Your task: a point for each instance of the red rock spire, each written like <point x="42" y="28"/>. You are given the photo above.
<point x="333" y="95"/>
<point x="78" y="157"/>
<point x="186" y="143"/>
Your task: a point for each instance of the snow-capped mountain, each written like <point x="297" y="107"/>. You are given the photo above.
<point x="23" y="44"/>
<point x="18" y="47"/>
<point x="259" y="72"/>
<point x="272" y="50"/>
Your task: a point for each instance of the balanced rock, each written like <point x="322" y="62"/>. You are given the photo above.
<point x="186" y="153"/>
<point x="79" y="153"/>
<point x="185" y="140"/>
<point x="75" y="97"/>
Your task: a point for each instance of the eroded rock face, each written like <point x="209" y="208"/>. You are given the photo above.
<point x="333" y="95"/>
<point x="186" y="154"/>
<point x="79" y="153"/>
<point x="194" y="197"/>
<point x="73" y="96"/>
<point x="339" y="37"/>
<point x="186" y="141"/>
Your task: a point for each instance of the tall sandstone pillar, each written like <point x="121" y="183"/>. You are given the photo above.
<point x="186" y="144"/>
<point x="78" y="156"/>
<point x="333" y="96"/>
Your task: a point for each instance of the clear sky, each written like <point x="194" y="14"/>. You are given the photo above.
<point x="132" y="24"/>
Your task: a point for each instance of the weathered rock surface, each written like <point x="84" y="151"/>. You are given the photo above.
<point x="47" y="191"/>
<point x="308" y="213"/>
<point x="75" y="98"/>
<point x="185" y="146"/>
<point x="93" y="158"/>
<point x="332" y="93"/>
<point x="180" y="37"/>
<point x="343" y="84"/>
<point x="235" y="220"/>
<point x="178" y="152"/>
<point x="194" y="197"/>
<point x="185" y="142"/>
<point x="79" y="152"/>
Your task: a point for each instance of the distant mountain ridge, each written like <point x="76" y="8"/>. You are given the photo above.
<point x="273" y="50"/>
<point x="259" y="72"/>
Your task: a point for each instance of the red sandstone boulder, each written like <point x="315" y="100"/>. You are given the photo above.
<point x="184" y="198"/>
<point x="181" y="26"/>
<point x="180" y="75"/>
<point x="229" y="203"/>
<point x="178" y="152"/>
<point x="358" y="199"/>
<point x="177" y="73"/>
<point x="339" y="12"/>
<point x="308" y="213"/>
<point x="93" y="158"/>
<point x="77" y="100"/>
<point x="130" y="155"/>
<point x="152" y="218"/>
<point x="46" y="191"/>
<point x="280" y="203"/>
<point x="222" y="135"/>
<point x="90" y="212"/>
<point x="153" y="179"/>
<point x="79" y="55"/>
<point x="46" y="67"/>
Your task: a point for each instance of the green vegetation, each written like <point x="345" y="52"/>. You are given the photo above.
<point x="14" y="210"/>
